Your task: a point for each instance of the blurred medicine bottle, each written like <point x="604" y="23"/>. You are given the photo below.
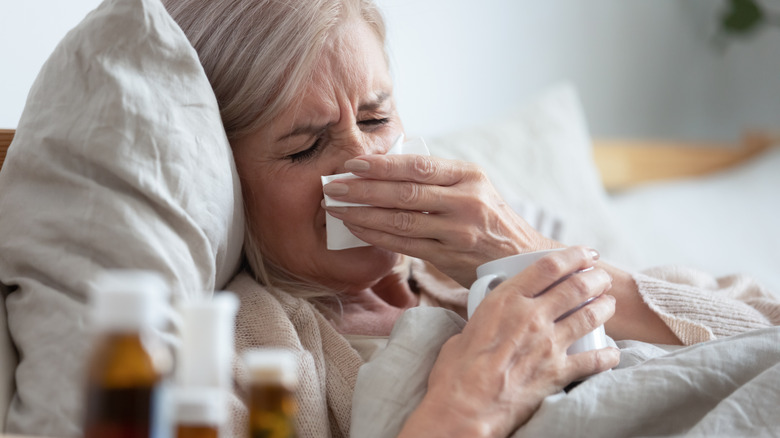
<point x="204" y="367"/>
<point x="273" y="377"/>
<point x="126" y="382"/>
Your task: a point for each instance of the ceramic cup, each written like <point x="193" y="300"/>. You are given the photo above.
<point x="491" y="274"/>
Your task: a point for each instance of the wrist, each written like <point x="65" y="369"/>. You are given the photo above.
<point x="434" y="419"/>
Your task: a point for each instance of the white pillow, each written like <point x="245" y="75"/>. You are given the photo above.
<point x="723" y="223"/>
<point x="541" y="154"/>
<point x="7" y="365"/>
<point x="120" y="160"/>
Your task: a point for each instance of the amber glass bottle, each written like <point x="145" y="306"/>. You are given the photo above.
<point x="125" y="383"/>
<point x="190" y="431"/>
<point x="272" y="403"/>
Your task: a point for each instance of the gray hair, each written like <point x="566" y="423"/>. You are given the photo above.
<point x="258" y="55"/>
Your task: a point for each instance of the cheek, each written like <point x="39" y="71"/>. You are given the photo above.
<point x="285" y="210"/>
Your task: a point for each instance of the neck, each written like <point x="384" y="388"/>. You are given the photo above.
<point x="373" y="311"/>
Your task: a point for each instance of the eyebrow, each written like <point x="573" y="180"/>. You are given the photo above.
<point x="313" y="129"/>
<point x="376" y="103"/>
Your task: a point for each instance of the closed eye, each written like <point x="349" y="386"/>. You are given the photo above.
<point x="374" y="122"/>
<point x="307" y="153"/>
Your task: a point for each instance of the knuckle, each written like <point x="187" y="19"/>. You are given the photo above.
<point x="406" y="246"/>
<point x="423" y="167"/>
<point x="388" y="167"/>
<point x="599" y="360"/>
<point x="590" y="316"/>
<point x="464" y="238"/>
<point x="477" y="172"/>
<point x="548" y="345"/>
<point x="409" y="192"/>
<point x="536" y="324"/>
<point x="552" y="266"/>
<point x="403" y="221"/>
<point x="580" y="284"/>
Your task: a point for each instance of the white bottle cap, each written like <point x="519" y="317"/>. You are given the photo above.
<point x="207" y="342"/>
<point x="204" y="373"/>
<point x="128" y="300"/>
<point x="269" y="365"/>
<point x="200" y="406"/>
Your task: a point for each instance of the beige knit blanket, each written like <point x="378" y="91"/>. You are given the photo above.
<point x="327" y="364"/>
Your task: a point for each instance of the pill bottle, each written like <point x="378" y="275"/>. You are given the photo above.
<point x="203" y="377"/>
<point x="272" y="404"/>
<point x="126" y="391"/>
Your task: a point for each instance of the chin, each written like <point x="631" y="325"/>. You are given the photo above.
<point x="367" y="264"/>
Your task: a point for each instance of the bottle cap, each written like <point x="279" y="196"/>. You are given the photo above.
<point x="200" y="406"/>
<point x="207" y="342"/>
<point x="204" y="373"/>
<point x="272" y="365"/>
<point x="128" y="300"/>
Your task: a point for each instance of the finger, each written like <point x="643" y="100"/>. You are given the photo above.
<point x="415" y="247"/>
<point x="586" y="318"/>
<point x="549" y="269"/>
<point x="575" y="290"/>
<point x="405" y="195"/>
<point x="409" y="167"/>
<point x="402" y="223"/>
<point x="588" y="363"/>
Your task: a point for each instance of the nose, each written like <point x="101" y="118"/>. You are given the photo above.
<point x="362" y="144"/>
<point x="357" y="142"/>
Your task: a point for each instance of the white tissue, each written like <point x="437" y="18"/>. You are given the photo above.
<point x="339" y="236"/>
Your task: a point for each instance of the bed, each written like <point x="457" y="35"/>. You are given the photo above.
<point x="149" y="152"/>
<point x="642" y="177"/>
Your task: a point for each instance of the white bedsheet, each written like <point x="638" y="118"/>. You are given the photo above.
<point x="726" y="223"/>
<point x="723" y="388"/>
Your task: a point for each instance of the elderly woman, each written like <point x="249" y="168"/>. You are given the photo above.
<point x="304" y="91"/>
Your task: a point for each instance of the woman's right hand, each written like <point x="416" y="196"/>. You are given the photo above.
<point x="491" y="378"/>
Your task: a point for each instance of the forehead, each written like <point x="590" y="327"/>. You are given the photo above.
<point x="352" y="68"/>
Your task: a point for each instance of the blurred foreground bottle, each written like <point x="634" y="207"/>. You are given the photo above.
<point x="204" y="369"/>
<point x="273" y="375"/>
<point x="126" y="395"/>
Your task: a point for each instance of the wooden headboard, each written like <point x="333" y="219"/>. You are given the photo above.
<point x="625" y="163"/>
<point x="6" y="135"/>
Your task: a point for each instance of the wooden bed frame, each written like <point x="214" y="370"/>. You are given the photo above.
<point x="626" y="163"/>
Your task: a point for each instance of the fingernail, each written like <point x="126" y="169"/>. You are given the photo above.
<point x="595" y="254"/>
<point x="355" y="165"/>
<point x="336" y="189"/>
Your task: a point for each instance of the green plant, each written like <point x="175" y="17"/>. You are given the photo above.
<point x="744" y="17"/>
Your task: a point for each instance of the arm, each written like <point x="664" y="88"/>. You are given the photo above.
<point x="467" y="224"/>
<point x="634" y="319"/>
<point x="443" y="211"/>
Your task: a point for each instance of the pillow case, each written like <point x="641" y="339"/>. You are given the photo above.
<point x="120" y="160"/>
<point x="540" y="158"/>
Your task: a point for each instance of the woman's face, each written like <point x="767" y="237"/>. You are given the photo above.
<point x="346" y="110"/>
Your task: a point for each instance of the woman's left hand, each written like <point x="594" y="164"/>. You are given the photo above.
<point x="444" y="211"/>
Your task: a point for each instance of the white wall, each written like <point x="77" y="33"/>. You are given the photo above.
<point x="644" y="68"/>
<point x="29" y="32"/>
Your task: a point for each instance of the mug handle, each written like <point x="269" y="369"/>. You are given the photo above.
<point x="478" y="290"/>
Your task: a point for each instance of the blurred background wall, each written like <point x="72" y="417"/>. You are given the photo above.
<point x="644" y="68"/>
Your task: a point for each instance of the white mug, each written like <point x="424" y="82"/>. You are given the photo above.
<point x="491" y="274"/>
